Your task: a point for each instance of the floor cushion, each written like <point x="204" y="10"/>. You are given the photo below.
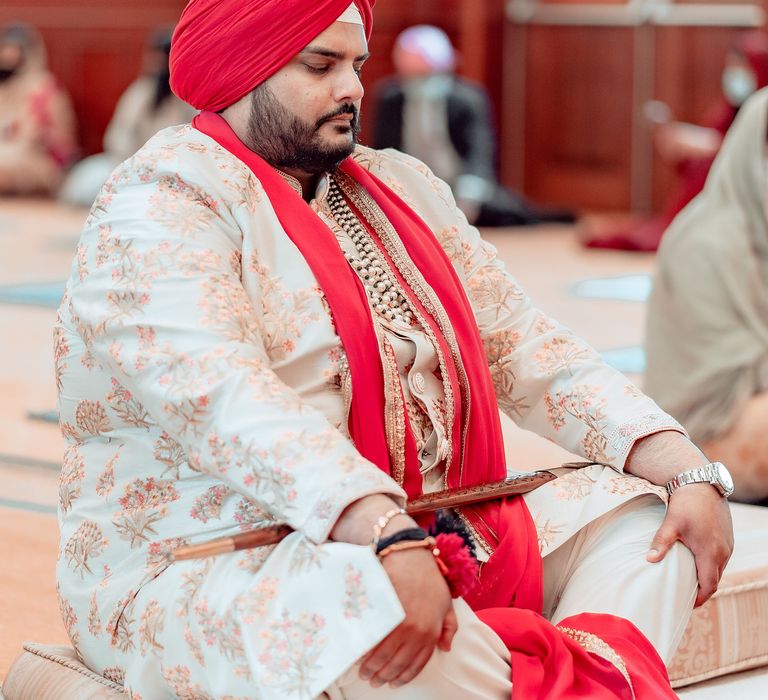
<point x="55" y="673"/>
<point x="730" y="632"/>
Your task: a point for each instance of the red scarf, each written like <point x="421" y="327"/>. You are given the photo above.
<point x="512" y="576"/>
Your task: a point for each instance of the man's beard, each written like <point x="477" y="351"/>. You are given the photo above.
<point x="287" y="142"/>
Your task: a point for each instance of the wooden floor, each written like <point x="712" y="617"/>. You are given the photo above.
<point x="37" y="242"/>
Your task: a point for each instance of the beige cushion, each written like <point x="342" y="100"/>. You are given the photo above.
<point x="55" y="673"/>
<point x="730" y="632"/>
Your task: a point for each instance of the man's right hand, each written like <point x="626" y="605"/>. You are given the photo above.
<point x="429" y="620"/>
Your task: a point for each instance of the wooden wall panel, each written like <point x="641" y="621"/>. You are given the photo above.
<point x="578" y="115"/>
<point x="689" y="62"/>
<point x="576" y="79"/>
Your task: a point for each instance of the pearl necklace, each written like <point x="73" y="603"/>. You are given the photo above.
<point x="369" y="263"/>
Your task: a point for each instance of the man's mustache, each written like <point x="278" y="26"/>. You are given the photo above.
<point x="348" y="108"/>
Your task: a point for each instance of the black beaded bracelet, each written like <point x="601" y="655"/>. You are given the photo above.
<point x="413" y="534"/>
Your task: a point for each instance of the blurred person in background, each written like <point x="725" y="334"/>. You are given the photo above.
<point x="691" y="148"/>
<point x="430" y="113"/>
<point x="37" y="124"/>
<point x="146" y="107"/>
<point x="707" y="333"/>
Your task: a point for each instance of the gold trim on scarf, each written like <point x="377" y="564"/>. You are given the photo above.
<point x="394" y="409"/>
<point x="418" y="286"/>
<point x="594" y="645"/>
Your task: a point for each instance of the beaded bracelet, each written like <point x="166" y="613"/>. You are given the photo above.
<point x="381" y="522"/>
<point x="413" y="534"/>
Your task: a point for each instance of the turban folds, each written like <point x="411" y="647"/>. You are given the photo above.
<point x="223" y="49"/>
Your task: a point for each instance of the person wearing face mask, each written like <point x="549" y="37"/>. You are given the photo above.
<point x="692" y="148"/>
<point x="37" y="125"/>
<point x="430" y="113"/>
<point x="146" y="107"/>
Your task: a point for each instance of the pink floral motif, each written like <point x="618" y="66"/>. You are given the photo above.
<point x="60" y="352"/>
<point x="178" y="678"/>
<point x="87" y="542"/>
<point x="499" y="348"/>
<point x="582" y="404"/>
<point x="69" y="618"/>
<point x="575" y="485"/>
<point x="193" y="644"/>
<point x="91" y="417"/>
<point x="248" y="513"/>
<point x="255" y="602"/>
<point x="170" y="454"/>
<point x="151" y="627"/>
<point x="490" y="289"/>
<point x="208" y="505"/>
<point x="355" y="597"/>
<point x="143" y="494"/>
<point x="71" y="477"/>
<point x="144" y="503"/>
<point x="120" y="624"/>
<point x="117" y="675"/>
<point x="561" y="353"/>
<point x="127" y="408"/>
<point x="543" y="325"/>
<point x="225" y="632"/>
<point x="106" y="481"/>
<point x="290" y="651"/>
<point x="158" y="551"/>
<point x="94" y="618"/>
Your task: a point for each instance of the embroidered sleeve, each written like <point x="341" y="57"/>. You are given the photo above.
<point x="164" y="310"/>
<point x="547" y="379"/>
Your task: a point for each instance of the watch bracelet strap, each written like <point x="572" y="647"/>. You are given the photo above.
<point x="699" y="475"/>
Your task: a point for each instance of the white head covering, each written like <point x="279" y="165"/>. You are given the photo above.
<point x="431" y="43"/>
<point x="351" y="15"/>
<point x="707" y="330"/>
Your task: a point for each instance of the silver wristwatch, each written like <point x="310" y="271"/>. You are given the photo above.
<point x="714" y="473"/>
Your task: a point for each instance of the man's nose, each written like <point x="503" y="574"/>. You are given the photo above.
<point x="348" y="88"/>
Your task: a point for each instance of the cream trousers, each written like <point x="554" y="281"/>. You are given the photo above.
<point x="601" y="569"/>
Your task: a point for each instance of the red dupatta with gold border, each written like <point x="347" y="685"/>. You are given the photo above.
<point x="509" y="591"/>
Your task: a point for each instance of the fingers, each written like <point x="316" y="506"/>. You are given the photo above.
<point x="379" y="656"/>
<point x="710" y="562"/>
<point x="664" y="538"/>
<point x="450" y="626"/>
<point x="399" y="675"/>
<point x="400" y="667"/>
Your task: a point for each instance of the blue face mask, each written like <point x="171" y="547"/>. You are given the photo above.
<point x="738" y="84"/>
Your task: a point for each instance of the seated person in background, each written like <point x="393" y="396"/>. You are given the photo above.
<point x="445" y="121"/>
<point x="707" y="333"/>
<point x="37" y="125"/>
<point x="691" y="148"/>
<point x="147" y="106"/>
<point x="268" y="323"/>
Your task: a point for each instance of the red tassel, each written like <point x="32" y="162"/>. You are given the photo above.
<point x="456" y="563"/>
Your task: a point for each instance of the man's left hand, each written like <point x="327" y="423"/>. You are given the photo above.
<point x="699" y="517"/>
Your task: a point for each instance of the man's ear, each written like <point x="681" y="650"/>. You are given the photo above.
<point x="238" y="114"/>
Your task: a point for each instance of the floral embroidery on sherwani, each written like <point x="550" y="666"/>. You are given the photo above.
<point x="204" y="392"/>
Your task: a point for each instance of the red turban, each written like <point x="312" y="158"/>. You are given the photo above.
<point x="223" y="49"/>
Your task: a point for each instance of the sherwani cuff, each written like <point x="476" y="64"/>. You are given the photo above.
<point x="626" y="434"/>
<point x="332" y="502"/>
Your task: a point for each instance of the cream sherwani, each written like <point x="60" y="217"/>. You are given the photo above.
<point x="203" y="391"/>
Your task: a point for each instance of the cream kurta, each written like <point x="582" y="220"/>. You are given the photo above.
<point x="202" y="391"/>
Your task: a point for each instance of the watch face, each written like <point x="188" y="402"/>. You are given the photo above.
<point x="725" y="479"/>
